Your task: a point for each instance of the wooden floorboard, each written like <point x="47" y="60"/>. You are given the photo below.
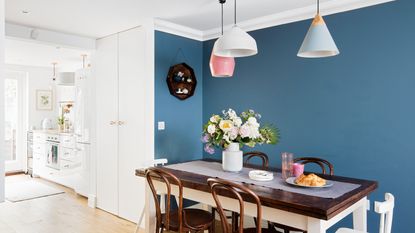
<point x="64" y="213"/>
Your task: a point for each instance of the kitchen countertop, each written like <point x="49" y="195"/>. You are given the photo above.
<point x="51" y="131"/>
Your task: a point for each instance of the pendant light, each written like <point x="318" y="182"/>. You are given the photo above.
<point x="221" y="67"/>
<point x="318" y="42"/>
<point x="54" y="71"/>
<point x="236" y="42"/>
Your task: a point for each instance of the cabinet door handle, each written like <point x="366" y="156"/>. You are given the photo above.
<point x="113" y="122"/>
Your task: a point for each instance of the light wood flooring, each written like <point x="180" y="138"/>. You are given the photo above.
<point x="64" y="213"/>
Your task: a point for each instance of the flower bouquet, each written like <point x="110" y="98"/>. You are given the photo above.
<point x="230" y="132"/>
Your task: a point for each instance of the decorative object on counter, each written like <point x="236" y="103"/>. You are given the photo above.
<point x="286" y="165"/>
<point x="318" y="41"/>
<point x="230" y="132"/>
<point x="236" y="42"/>
<point x="221" y="67"/>
<point x="67" y="115"/>
<point x="181" y="81"/>
<point x="46" y="124"/>
<point x="44" y="100"/>
<point x="61" y="122"/>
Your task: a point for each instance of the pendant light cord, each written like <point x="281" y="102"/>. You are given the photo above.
<point x="234" y="13"/>
<point x="222" y="18"/>
<point x="318" y="7"/>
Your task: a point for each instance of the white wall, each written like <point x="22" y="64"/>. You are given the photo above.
<point x="38" y="78"/>
<point x="1" y="99"/>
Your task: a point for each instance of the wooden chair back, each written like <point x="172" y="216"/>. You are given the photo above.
<point x="238" y="191"/>
<point x="321" y="162"/>
<point x="385" y="209"/>
<point x="168" y="179"/>
<point x="256" y="154"/>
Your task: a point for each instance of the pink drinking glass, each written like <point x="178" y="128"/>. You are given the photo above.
<point x="298" y="169"/>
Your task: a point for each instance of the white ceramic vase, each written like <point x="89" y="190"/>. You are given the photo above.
<point x="232" y="158"/>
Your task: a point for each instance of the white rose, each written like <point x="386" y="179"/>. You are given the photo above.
<point x="213" y="119"/>
<point x="233" y="134"/>
<point x="252" y="121"/>
<point x="211" y="129"/>
<point x="254" y="132"/>
<point x="226" y="125"/>
<point x="232" y="114"/>
<point x="245" y="131"/>
<point x="237" y="121"/>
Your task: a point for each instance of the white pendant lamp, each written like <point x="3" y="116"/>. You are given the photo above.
<point x="221" y="67"/>
<point x="318" y="42"/>
<point x="236" y="43"/>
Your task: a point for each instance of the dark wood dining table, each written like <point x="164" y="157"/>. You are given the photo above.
<point x="310" y="213"/>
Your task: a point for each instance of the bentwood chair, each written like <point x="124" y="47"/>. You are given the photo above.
<point x="248" y="157"/>
<point x="306" y="160"/>
<point x="179" y="220"/>
<point x="321" y="162"/>
<point x="256" y="154"/>
<point x="151" y="163"/>
<point x="240" y="192"/>
<point x="385" y="209"/>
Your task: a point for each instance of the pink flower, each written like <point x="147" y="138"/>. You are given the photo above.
<point x="209" y="149"/>
<point x="244" y="131"/>
<point x="205" y="138"/>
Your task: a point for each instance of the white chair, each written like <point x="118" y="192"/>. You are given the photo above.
<point x="385" y="209"/>
<point x="151" y="163"/>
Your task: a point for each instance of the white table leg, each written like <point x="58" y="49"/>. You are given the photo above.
<point x="315" y="225"/>
<point x="360" y="217"/>
<point x="150" y="211"/>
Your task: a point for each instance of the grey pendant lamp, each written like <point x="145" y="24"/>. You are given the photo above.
<point x="235" y="42"/>
<point x="318" y="42"/>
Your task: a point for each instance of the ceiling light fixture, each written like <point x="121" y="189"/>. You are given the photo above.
<point x="318" y="41"/>
<point x="236" y="42"/>
<point x="221" y="67"/>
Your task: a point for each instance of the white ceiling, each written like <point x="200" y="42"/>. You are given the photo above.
<point x="35" y="54"/>
<point x="99" y="18"/>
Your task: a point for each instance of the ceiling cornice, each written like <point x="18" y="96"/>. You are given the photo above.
<point x="295" y="15"/>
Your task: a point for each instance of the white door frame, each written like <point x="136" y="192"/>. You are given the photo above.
<point x="20" y="163"/>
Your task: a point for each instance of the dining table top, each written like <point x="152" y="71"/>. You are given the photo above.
<point x="307" y="205"/>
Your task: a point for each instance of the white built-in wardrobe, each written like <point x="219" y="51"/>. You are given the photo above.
<point x="119" y="68"/>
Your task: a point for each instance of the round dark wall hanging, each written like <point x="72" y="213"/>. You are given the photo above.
<point x="181" y="81"/>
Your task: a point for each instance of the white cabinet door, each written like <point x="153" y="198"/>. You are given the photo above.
<point x="106" y="74"/>
<point x="132" y="138"/>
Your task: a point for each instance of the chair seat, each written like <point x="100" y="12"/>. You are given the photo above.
<point x="253" y="230"/>
<point x="348" y="230"/>
<point x="195" y="218"/>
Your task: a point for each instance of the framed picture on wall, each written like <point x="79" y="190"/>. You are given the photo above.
<point x="44" y="100"/>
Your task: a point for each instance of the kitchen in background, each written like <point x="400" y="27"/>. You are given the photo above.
<point x="47" y="118"/>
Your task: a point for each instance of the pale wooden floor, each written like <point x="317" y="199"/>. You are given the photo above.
<point x="64" y="213"/>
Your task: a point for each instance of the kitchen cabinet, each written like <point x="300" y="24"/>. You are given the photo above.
<point x="120" y="88"/>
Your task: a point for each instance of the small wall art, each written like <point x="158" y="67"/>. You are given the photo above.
<point x="44" y="100"/>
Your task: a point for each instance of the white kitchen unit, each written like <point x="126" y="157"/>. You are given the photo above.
<point x="121" y="79"/>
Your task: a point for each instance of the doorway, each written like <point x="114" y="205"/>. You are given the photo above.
<point x="14" y="116"/>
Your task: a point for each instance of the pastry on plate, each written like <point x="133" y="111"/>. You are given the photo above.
<point x="310" y="180"/>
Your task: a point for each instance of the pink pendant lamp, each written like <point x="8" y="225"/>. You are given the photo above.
<point x="221" y="67"/>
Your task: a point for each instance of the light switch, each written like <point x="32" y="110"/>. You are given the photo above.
<point x="161" y="125"/>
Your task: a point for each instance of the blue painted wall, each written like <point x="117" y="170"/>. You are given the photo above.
<point x="356" y="109"/>
<point x="181" y="139"/>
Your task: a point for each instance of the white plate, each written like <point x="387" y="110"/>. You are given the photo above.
<point x="291" y="181"/>
<point x="259" y="175"/>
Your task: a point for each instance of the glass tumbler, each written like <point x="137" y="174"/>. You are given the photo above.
<point x="286" y="165"/>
